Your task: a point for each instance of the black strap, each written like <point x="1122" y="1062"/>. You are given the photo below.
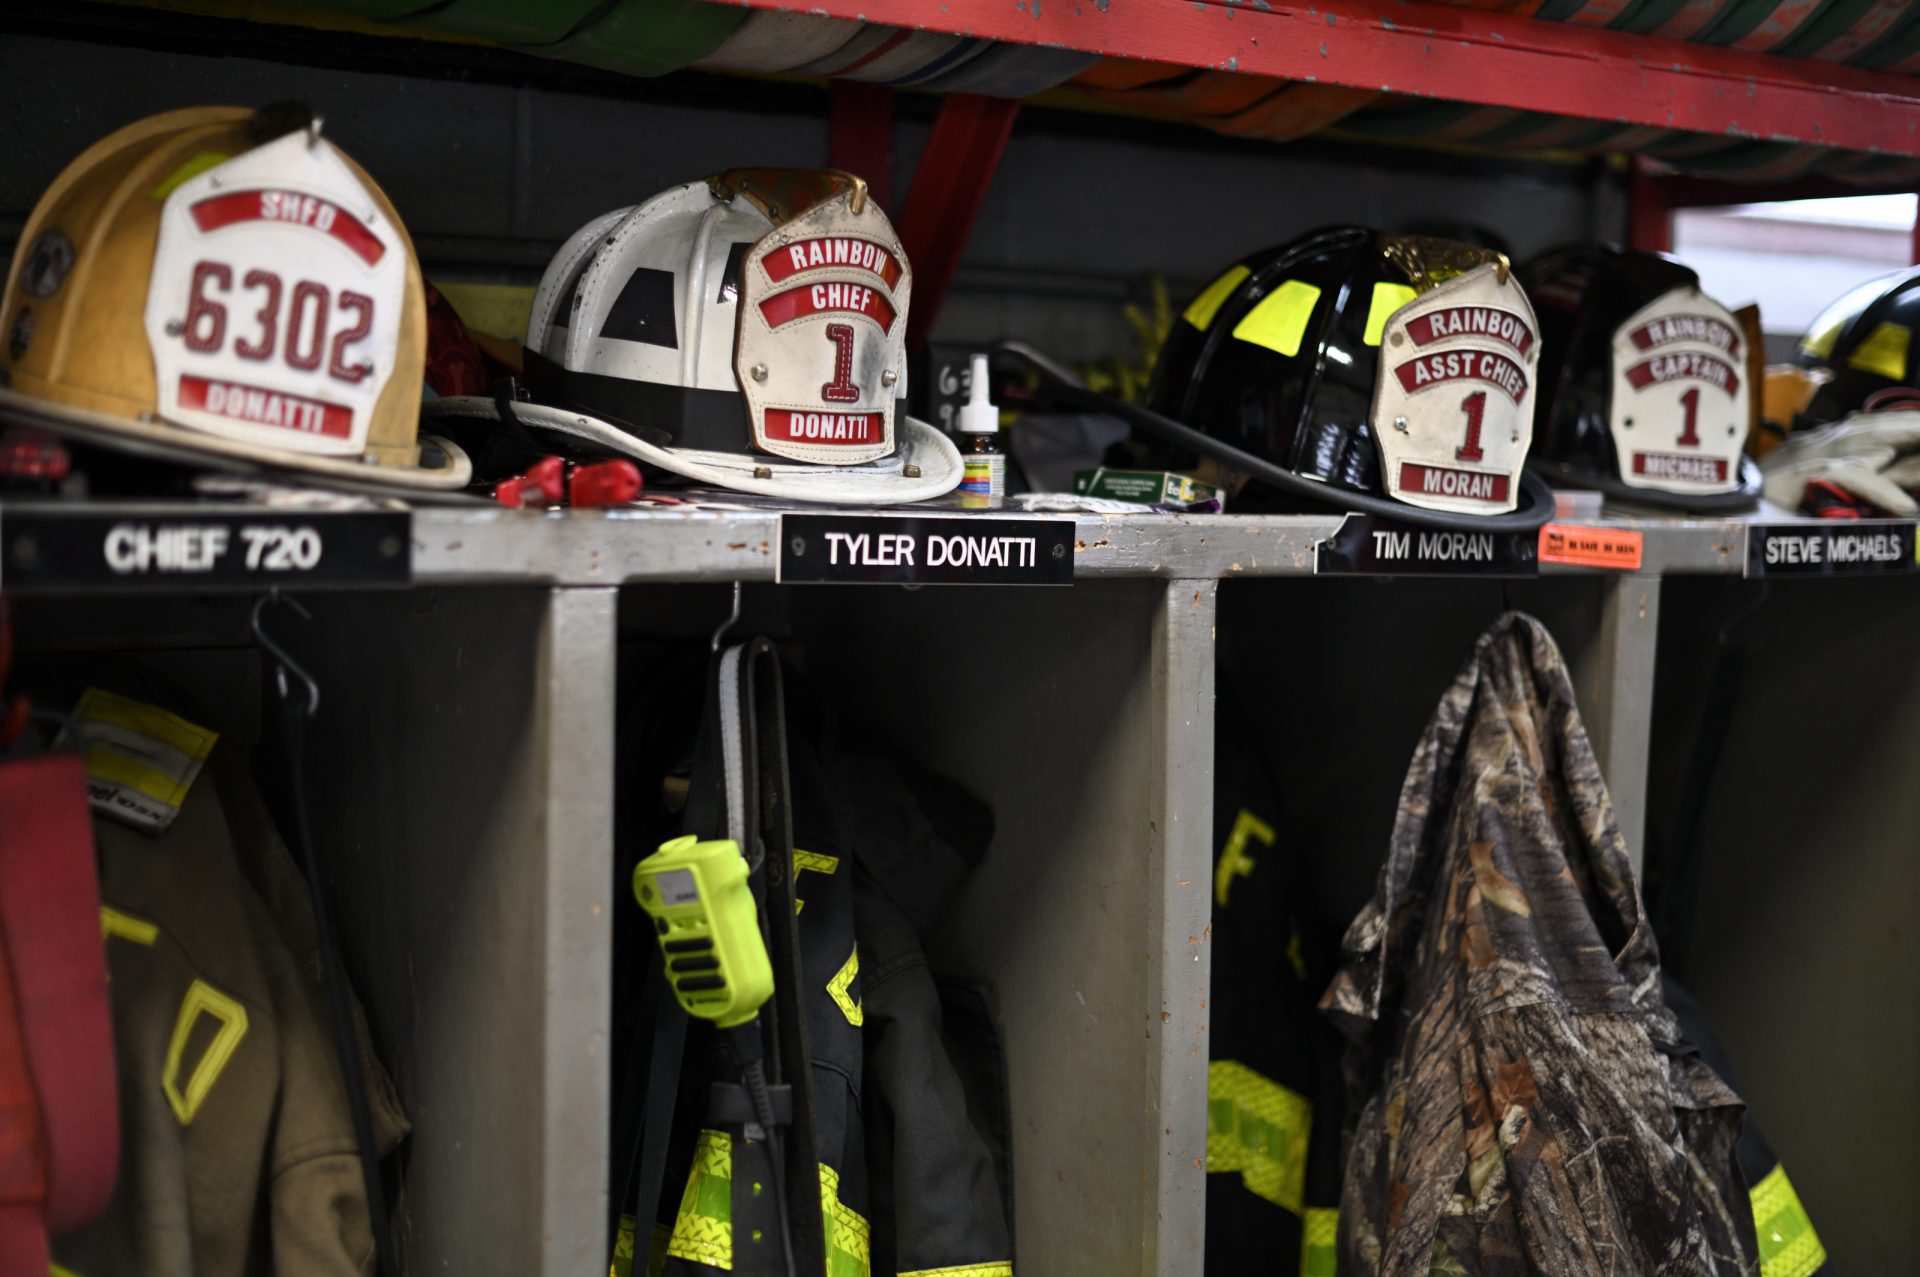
<point x="789" y="1056"/>
<point x="292" y="717"/>
<point x="729" y="1103"/>
<point x="662" y="1025"/>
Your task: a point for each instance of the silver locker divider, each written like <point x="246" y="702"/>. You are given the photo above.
<point x="462" y="769"/>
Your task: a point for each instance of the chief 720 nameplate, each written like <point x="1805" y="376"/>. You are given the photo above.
<point x="1367" y="545"/>
<point x="1844" y="548"/>
<point x="146" y="548"/>
<point x="860" y="549"/>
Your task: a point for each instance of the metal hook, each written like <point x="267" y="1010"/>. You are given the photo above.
<point x="732" y="618"/>
<point x="286" y="663"/>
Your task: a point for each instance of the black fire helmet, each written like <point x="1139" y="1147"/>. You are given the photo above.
<point x="1644" y="382"/>
<point x="1386" y="374"/>
<point x="1865" y="339"/>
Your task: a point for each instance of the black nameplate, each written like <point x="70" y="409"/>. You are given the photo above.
<point x="48" y="548"/>
<point x="887" y="550"/>
<point x="1367" y="545"/>
<point x="1843" y="548"/>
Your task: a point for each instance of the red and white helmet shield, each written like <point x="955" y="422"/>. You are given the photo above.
<point x="1678" y="411"/>
<point x="274" y="310"/>
<point x="1453" y="407"/>
<point x="822" y="336"/>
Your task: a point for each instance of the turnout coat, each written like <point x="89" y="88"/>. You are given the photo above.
<point x="1526" y="1102"/>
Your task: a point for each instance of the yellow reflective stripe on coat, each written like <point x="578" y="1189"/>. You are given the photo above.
<point x="1788" y="1245"/>
<point x="849" y="1238"/>
<point x="1259" y="1128"/>
<point x="703" y="1228"/>
<point x="1319" y="1241"/>
<point x="965" y="1270"/>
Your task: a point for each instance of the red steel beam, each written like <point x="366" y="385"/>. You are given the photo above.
<point x="1649" y="213"/>
<point x="949" y="185"/>
<point x="860" y="135"/>
<point x="1465" y="55"/>
<point x="1680" y="191"/>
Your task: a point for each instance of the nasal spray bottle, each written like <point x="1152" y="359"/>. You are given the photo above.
<point x="983" y="485"/>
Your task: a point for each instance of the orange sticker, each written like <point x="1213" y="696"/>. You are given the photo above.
<point x="1615" y="548"/>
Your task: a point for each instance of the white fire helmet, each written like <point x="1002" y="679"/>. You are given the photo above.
<point x="747" y="332"/>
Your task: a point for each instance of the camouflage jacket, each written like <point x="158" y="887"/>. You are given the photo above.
<point x="1526" y="1105"/>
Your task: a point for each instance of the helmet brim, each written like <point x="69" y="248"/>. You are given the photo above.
<point x="180" y="445"/>
<point x="1742" y="498"/>
<point x="883" y="482"/>
<point x="1533" y="510"/>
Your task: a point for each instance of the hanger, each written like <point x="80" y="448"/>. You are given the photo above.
<point x="286" y="663"/>
<point x="732" y="618"/>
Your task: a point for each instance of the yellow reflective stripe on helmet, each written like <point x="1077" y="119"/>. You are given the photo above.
<point x="194" y="166"/>
<point x="1387" y="298"/>
<point x="1788" y="1245"/>
<point x="703" y="1228"/>
<point x="1259" y="1128"/>
<point x="849" y="1248"/>
<point x="1280" y="319"/>
<point x="1201" y="310"/>
<point x="1884" y="352"/>
<point x="1820" y="344"/>
<point x="1000" y="1269"/>
<point x="1319" y="1240"/>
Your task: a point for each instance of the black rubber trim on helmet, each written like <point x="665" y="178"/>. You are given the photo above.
<point x="1535" y="508"/>
<point x="1744" y="497"/>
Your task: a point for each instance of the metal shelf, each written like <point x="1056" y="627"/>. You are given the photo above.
<point x="452" y="547"/>
<point x="612" y="548"/>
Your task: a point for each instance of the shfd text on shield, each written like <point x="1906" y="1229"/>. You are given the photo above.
<point x="292" y="206"/>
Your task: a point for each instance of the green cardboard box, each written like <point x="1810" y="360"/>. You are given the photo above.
<point x="1149" y="487"/>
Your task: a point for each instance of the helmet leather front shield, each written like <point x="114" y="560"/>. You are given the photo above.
<point x="1679" y="408"/>
<point x="1453" y="402"/>
<point x="275" y="305"/>
<point x="823" y="332"/>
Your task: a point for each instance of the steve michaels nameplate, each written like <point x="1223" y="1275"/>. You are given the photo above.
<point x="860" y="549"/>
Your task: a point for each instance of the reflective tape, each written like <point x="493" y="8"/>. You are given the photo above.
<point x="1234" y="861"/>
<point x="1788" y="1245"/>
<point x="1387" y="298"/>
<point x="1258" y="1128"/>
<point x="999" y="1268"/>
<point x="1201" y="310"/>
<point x="703" y="1226"/>
<point x="853" y="1009"/>
<point x="1319" y="1241"/>
<point x="849" y="1249"/>
<point x="114" y="922"/>
<point x="1884" y="352"/>
<point x="1279" y="321"/>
